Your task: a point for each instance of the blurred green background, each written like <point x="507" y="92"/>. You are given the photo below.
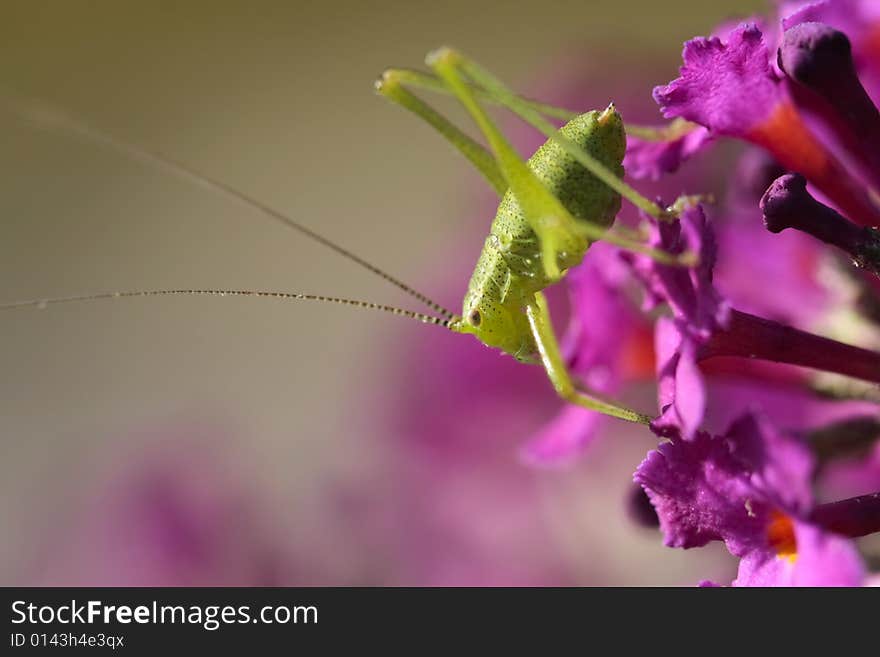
<point x="276" y="98"/>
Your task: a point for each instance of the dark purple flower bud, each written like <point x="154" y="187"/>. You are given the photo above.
<point x="640" y="509"/>
<point x="788" y="204"/>
<point x="818" y="59"/>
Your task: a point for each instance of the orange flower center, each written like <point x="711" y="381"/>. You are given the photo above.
<point x="780" y="534"/>
<point x="788" y="138"/>
<point x="638" y="359"/>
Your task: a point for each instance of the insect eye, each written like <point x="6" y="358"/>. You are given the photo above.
<point x="476" y="318"/>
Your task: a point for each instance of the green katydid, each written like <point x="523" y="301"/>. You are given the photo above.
<point x="552" y="208"/>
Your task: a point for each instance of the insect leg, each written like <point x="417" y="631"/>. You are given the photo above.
<point x="418" y="80"/>
<point x="504" y="96"/>
<point x="391" y="87"/>
<point x="429" y="82"/>
<point x="554" y="365"/>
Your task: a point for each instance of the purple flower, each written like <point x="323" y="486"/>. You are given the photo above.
<point x="681" y="389"/>
<point x="730" y="88"/>
<point x="654" y="158"/>
<point x="749" y="488"/>
<point x="663" y="150"/>
<point x="697" y="312"/>
<point x="688" y="291"/>
<point x="800" y="554"/>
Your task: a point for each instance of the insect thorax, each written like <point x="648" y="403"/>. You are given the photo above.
<point x="509" y="270"/>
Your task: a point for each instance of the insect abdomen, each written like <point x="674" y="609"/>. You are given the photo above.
<point x="587" y="198"/>
<point x="584" y="196"/>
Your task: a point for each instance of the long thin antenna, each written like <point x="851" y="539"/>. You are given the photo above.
<point x="287" y="296"/>
<point x="42" y="115"/>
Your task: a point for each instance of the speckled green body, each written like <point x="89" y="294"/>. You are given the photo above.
<point x="509" y="270"/>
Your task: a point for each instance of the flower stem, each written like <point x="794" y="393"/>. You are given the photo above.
<point x="748" y="336"/>
<point x="857" y="516"/>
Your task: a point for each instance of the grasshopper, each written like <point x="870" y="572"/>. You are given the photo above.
<point x="552" y="208"/>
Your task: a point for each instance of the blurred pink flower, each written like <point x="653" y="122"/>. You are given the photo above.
<point x="174" y="512"/>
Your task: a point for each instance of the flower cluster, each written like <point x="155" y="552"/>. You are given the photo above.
<point x="766" y="351"/>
